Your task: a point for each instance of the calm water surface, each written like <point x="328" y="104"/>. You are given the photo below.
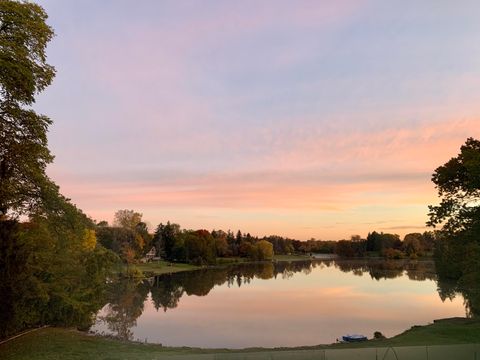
<point x="281" y="304"/>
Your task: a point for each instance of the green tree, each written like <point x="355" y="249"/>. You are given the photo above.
<point x="428" y="240"/>
<point x="51" y="269"/>
<point x="458" y="185"/>
<point x="200" y="247"/>
<point x="128" y="219"/>
<point x="72" y="275"/>
<point x="382" y="241"/>
<point x="18" y="283"/>
<point x="238" y="237"/>
<point x="261" y="251"/>
<point x="232" y="246"/>
<point x="115" y="238"/>
<point x="24" y="73"/>
<point x="167" y="241"/>
<point x="47" y="274"/>
<point x="457" y="244"/>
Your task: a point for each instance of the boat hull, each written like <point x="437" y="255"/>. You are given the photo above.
<point x="354" y="338"/>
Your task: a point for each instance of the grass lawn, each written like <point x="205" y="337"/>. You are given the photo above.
<point x="163" y="267"/>
<point x="291" y="257"/>
<point x="441" y="332"/>
<point x="236" y="260"/>
<point x="56" y="343"/>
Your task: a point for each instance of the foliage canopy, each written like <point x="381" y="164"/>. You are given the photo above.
<point x="458" y="184"/>
<point x="24" y="73"/>
<point x="52" y="270"/>
<point x="457" y="245"/>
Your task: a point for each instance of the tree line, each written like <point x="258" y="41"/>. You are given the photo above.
<point x="387" y="245"/>
<point x="130" y="239"/>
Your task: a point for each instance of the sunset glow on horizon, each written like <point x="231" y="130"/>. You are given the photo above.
<point x="304" y="119"/>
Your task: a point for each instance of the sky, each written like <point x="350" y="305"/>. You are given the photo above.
<point x="307" y="119"/>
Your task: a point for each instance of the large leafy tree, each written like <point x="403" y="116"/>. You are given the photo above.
<point x="458" y="185"/>
<point x="167" y="240"/>
<point x="457" y="248"/>
<point x="24" y="72"/>
<point x="128" y="219"/>
<point x="263" y="250"/>
<point x="51" y="269"/>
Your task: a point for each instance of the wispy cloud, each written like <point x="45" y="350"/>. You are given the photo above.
<point x="310" y="119"/>
<point x="405" y="227"/>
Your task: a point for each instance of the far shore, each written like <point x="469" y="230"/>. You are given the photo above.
<point x="160" y="267"/>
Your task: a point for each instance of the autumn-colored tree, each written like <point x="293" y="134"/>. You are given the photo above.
<point x="128" y="253"/>
<point x="221" y="243"/>
<point x="89" y="240"/>
<point x="246" y="249"/>
<point x="146" y="239"/>
<point x="221" y="246"/>
<point x="344" y="248"/>
<point x="412" y="244"/>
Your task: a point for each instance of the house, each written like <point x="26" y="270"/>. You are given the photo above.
<point x="151" y="254"/>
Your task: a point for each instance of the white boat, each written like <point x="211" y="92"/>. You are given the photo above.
<point x="354" y="337"/>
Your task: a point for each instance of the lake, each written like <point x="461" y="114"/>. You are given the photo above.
<point x="277" y="304"/>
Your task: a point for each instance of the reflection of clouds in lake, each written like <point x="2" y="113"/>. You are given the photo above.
<point x="304" y="309"/>
<point x="317" y="314"/>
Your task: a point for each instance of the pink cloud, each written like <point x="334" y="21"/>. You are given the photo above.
<point x="330" y="175"/>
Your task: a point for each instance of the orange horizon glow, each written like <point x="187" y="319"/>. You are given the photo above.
<point x="298" y="203"/>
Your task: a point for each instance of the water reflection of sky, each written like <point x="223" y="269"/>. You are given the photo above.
<point x="302" y="309"/>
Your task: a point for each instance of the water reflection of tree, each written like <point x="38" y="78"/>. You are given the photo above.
<point x="166" y="293"/>
<point x="126" y="299"/>
<point x="389" y="269"/>
<point x="468" y="286"/>
<point x="167" y="289"/>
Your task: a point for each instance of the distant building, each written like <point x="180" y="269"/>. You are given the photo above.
<point x="151" y="254"/>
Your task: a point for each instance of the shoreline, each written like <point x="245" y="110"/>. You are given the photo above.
<point x="64" y="343"/>
<point x="161" y="267"/>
